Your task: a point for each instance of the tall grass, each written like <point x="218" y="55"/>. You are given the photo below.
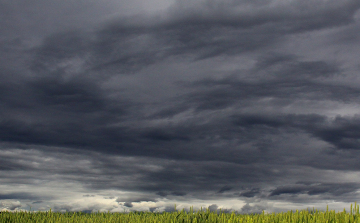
<point x="181" y="216"/>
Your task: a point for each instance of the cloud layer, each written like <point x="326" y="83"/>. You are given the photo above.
<point x="238" y="105"/>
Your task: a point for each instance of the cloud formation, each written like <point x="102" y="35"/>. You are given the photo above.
<point x="231" y="105"/>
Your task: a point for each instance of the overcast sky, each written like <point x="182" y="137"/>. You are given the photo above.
<point x="134" y="105"/>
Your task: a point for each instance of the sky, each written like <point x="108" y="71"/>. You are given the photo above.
<point x="134" y="105"/>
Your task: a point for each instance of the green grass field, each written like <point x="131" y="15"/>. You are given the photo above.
<point x="182" y="216"/>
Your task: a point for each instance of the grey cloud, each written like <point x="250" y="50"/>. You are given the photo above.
<point x="338" y="189"/>
<point x="272" y="59"/>
<point x="89" y="211"/>
<point x="346" y="36"/>
<point x="39" y="18"/>
<point x="178" y="193"/>
<point x="62" y="208"/>
<point x="250" y="14"/>
<point x="90" y="208"/>
<point x="285" y="120"/>
<point x="162" y="193"/>
<point x="57" y="49"/>
<point x="88" y="94"/>
<point x="18" y="196"/>
<point x="145" y="199"/>
<point x="225" y="188"/>
<point x="256" y="209"/>
<point x="291" y="67"/>
<point x="69" y="96"/>
<point x="172" y="179"/>
<point x="207" y="176"/>
<point x="276" y="74"/>
<point x="342" y="132"/>
<point x="213" y="208"/>
<point x="126" y="47"/>
<point x="152" y="209"/>
<point x="8" y="164"/>
<point x="170" y="209"/>
<point x="164" y="135"/>
<point x="226" y="210"/>
<point x="169" y="111"/>
<point x="37" y="202"/>
<point x="88" y="195"/>
<point x="64" y="98"/>
<point x="134" y="200"/>
<point x="223" y="94"/>
<point x="250" y="193"/>
<point x="11" y="205"/>
<point x="288" y="190"/>
<point x="128" y="204"/>
<point x="124" y="50"/>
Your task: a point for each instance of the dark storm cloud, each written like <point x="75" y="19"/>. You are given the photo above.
<point x="130" y="44"/>
<point x="7" y="164"/>
<point x="285" y="78"/>
<point x="336" y="190"/>
<point x="164" y="135"/>
<point x="225" y="188"/>
<point x="250" y="193"/>
<point x="342" y="132"/>
<point x="175" y="179"/>
<point x="222" y="94"/>
<point x="278" y="121"/>
<point x="37" y="202"/>
<point x="209" y="31"/>
<point x="74" y="96"/>
<point x="71" y="102"/>
<point x="17" y="196"/>
<point x="213" y="207"/>
<point x="291" y="67"/>
<point x="162" y="194"/>
<point x="128" y="204"/>
<point x="40" y="18"/>
<point x="57" y="48"/>
<point x="211" y="139"/>
<point x="238" y="25"/>
<point x="79" y="97"/>
<point x="209" y="176"/>
<point x="178" y="193"/>
<point x="293" y="16"/>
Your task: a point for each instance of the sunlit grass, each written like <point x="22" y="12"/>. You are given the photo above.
<point x="182" y="216"/>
